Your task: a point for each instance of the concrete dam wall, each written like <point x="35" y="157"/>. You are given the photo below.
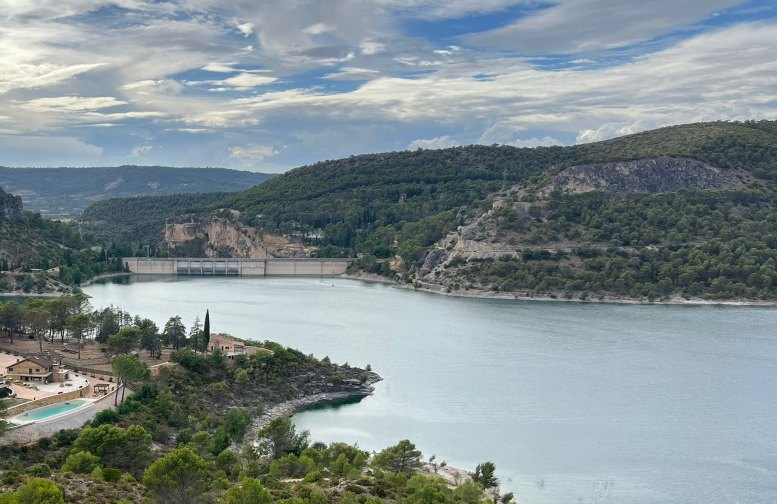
<point x="236" y="267"/>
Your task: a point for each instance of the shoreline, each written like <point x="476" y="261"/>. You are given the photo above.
<point x="90" y="281"/>
<point x="484" y="294"/>
<point x="288" y="409"/>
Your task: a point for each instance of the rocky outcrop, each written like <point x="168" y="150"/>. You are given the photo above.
<point x="221" y="237"/>
<point x="10" y="207"/>
<point x="656" y="175"/>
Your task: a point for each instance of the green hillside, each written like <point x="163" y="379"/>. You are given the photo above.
<point x="364" y="203"/>
<point x="141" y="219"/>
<point x="65" y="192"/>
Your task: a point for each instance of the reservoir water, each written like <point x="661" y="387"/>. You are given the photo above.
<point x="574" y="403"/>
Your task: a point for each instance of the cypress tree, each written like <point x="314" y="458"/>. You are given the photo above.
<point x="206" y="331"/>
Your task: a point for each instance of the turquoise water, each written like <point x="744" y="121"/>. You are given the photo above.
<point x="49" y="411"/>
<point x="574" y="403"/>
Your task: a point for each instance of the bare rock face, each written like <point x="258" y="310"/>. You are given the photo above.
<point x="10" y="207"/>
<point x="226" y="238"/>
<point x="657" y="175"/>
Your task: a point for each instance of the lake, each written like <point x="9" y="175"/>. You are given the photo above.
<point x="587" y="403"/>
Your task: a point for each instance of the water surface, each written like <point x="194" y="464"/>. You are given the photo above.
<point x="573" y="402"/>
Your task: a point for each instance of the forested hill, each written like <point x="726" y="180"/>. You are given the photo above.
<point x="699" y="221"/>
<point x="365" y="202"/>
<point x="619" y="217"/>
<point x="141" y="219"/>
<point x="65" y="192"/>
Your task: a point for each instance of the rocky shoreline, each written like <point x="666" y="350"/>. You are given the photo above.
<point x="289" y="408"/>
<point x="559" y="298"/>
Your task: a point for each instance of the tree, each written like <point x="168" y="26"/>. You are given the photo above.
<point x="206" y="332"/>
<point x="180" y="477"/>
<point x="400" y="458"/>
<point x="78" y="325"/>
<point x="283" y="438"/>
<point x="11" y="316"/>
<point x="150" y="339"/>
<point x="485" y="475"/>
<point x="250" y="491"/>
<point x="195" y="334"/>
<point x="81" y="462"/>
<point x="40" y="491"/>
<point x="36" y="318"/>
<point x="125" y="341"/>
<point x="127" y="368"/>
<point x="175" y="332"/>
<point x="126" y="449"/>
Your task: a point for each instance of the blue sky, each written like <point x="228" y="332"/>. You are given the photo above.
<point x="273" y="84"/>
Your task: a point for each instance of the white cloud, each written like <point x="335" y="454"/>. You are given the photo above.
<point x="72" y="103"/>
<point x="247" y="29"/>
<point x="247" y="81"/>
<point x="250" y="153"/>
<point x="141" y="150"/>
<point x="318" y="29"/>
<point x="440" y="142"/>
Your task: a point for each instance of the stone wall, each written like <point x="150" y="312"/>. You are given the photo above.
<point x="45" y="401"/>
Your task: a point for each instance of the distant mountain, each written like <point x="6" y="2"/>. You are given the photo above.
<point x="65" y="192"/>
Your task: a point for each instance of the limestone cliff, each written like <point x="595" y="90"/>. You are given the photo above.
<point x="509" y="227"/>
<point x="664" y="174"/>
<point x="10" y="207"/>
<point x="211" y="236"/>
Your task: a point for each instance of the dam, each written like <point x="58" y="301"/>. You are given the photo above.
<point x="315" y="267"/>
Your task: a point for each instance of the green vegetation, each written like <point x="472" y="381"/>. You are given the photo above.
<point x="65" y="192"/>
<point x="401" y="203"/>
<point x="711" y="244"/>
<point x="140" y="220"/>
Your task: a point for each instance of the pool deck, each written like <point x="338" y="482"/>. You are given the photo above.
<point x="23" y="418"/>
<point x="52" y="389"/>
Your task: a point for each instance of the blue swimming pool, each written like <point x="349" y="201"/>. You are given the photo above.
<point x="48" y="411"/>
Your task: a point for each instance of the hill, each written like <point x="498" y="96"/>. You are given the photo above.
<point x="65" y="192"/>
<point x="141" y="219"/>
<point x="624" y="217"/>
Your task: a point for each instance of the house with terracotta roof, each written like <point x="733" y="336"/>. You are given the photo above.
<point x="230" y="347"/>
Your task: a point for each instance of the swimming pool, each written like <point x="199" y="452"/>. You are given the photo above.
<point x="48" y="411"/>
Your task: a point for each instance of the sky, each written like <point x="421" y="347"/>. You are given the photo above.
<point x="268" y="85"/>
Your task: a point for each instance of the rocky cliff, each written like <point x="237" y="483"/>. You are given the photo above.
<point x="523" y="221"/>
<point x="664" y="174"/>
<point x="221" y="237"/>
<point x="10" y="207"/>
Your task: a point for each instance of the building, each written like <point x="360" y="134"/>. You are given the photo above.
<point x="229" y="346"/>
<point x="36" y="369"/>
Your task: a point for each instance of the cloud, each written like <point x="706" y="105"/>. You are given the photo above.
<point x="247" y="81"/>
<point x="575" y="26"/>
<point x="503" y="133"/>
<point x="250" y="153"/>
<point x="141" y="150"/>
<point x="440" y="142"/>
<point x="72" y="103"/>
<point x="247" y="29"/>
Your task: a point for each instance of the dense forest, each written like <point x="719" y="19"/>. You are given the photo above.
<point x="140" y="220"/>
